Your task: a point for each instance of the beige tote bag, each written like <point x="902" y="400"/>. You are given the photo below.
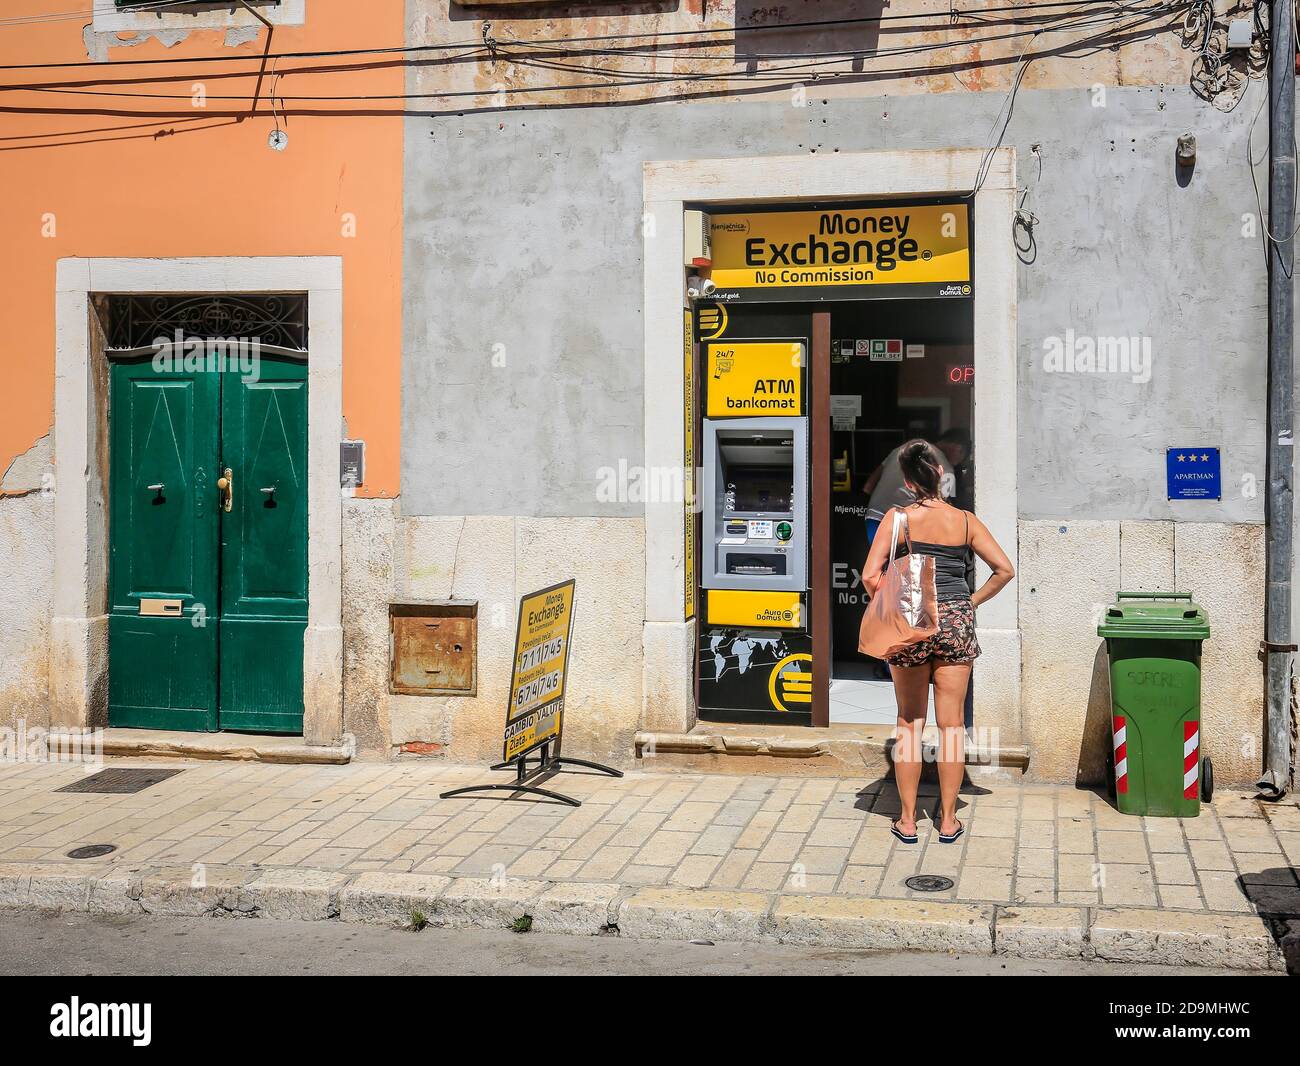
<point x="905" y="608"/>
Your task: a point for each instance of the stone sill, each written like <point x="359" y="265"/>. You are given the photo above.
<point x="835" y="752"/>
<point x="854" y="747"/>
<point x="244" y="747"/>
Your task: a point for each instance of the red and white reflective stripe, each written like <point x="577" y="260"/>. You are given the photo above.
<point x="1121" y="753"/>
<point x="1191" y="758"/>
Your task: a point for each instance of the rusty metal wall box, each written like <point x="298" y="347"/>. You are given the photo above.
<point x="433" y="647"/>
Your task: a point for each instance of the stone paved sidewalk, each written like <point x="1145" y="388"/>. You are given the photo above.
<point x="1025" y="844"/>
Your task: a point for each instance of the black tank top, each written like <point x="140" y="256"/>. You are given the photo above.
<point x="954" y="566"/>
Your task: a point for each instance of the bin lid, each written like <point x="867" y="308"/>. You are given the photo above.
<point x="1155" y="615"/>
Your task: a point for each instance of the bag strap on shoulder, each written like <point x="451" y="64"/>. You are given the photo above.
<point x="899" y="519"/>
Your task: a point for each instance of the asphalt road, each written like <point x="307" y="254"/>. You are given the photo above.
<point x="32" y="943"/>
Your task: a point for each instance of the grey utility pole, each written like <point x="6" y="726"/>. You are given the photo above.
<point x="1278" y="646"/>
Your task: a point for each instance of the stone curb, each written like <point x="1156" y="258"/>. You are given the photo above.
<point x="884" y="924"/>
<point x="1169" y="937"/>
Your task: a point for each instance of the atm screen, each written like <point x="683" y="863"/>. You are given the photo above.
<point x="758" y="489"/>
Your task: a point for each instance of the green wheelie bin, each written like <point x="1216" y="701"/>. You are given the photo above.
<point x="1154" y="641"/>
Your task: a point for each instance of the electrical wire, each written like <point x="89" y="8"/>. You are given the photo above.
<point x="814" y="64"/>
<point x="1117" y="9"/>
<point x="1103" y="35"/>
<point x="1212" y="74"/>
<point x="1120" y="6"/>
<point x="874" y="53"/>
<point x="551" y="55"/>
<point x="1265" y="220"/>
<point x="1008" y="105"/>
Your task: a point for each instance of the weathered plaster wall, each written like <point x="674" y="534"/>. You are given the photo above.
<point x="26" y="586"/>
<point x="523" y="366"/>
<point x="493" y="560"/>
<point x="160" y="176"/>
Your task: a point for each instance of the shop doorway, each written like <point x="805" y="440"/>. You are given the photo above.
<point x="890" y="369"/>
<point x="899" y="369"/>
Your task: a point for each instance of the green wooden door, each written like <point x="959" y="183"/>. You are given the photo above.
<point x="229" y="654"/>
<point x="165" y="441"/>
<point x="264" y="548"/>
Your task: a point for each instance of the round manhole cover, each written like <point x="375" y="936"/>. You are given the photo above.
<point x="91" y="851"/>
<point x="929" y="883"/>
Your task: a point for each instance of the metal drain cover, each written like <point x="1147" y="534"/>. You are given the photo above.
<point x="91" y="851"/>
<point x="929" y="883"/>
<point x="122" y="780"/>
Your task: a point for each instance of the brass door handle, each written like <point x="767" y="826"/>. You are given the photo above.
<point x="226" y="485"/>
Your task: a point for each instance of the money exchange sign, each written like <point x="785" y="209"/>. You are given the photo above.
<point x="536" y="713"/>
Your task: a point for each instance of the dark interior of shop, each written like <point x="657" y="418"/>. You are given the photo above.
<point x="899" y="369"/>
<point x="909" y="363"/>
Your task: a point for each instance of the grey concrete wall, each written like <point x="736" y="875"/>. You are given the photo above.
<point x="522" y="338"/>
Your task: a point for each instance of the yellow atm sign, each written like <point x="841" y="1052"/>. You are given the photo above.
<point x="750" y="609"/>
<point x="754" y="378"/>
<point x="883" y="251"/>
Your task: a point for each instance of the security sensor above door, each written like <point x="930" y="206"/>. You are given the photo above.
<point x="696" y="229"/>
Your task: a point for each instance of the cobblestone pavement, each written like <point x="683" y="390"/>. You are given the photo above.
<point x="1028" y="844"/>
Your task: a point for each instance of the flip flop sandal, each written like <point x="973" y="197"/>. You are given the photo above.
<point x="893" y="828"/>
<point x="954" y="837"/>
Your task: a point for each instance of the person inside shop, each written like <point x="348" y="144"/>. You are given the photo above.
<point x="952" y="536"/>
<point x="886" y="488"/>
<point x="955" y="444"/>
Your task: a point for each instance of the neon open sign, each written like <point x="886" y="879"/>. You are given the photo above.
<point x="962" y="375"/>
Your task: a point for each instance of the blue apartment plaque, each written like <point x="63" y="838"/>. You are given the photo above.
<point x="1193" y="474"/>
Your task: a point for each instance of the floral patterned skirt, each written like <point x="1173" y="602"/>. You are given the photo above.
<point x="954" y="642"/>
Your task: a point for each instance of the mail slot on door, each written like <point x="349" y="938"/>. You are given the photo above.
<point x="433" y="649"/>
<point x="162" y="608"/>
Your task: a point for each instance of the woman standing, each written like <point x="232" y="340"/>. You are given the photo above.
<point x="950" y="536"/>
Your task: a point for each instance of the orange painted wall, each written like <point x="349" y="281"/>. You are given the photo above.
<point x="186" y="181"/>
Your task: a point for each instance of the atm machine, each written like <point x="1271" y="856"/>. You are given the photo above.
<point x="755" y="476"/>
<point x="755" y="650"/>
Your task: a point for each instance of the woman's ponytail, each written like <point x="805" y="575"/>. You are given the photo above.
<point x="922" y="466"/>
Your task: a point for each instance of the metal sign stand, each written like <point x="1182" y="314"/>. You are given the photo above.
<point x="548" y="764"/>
